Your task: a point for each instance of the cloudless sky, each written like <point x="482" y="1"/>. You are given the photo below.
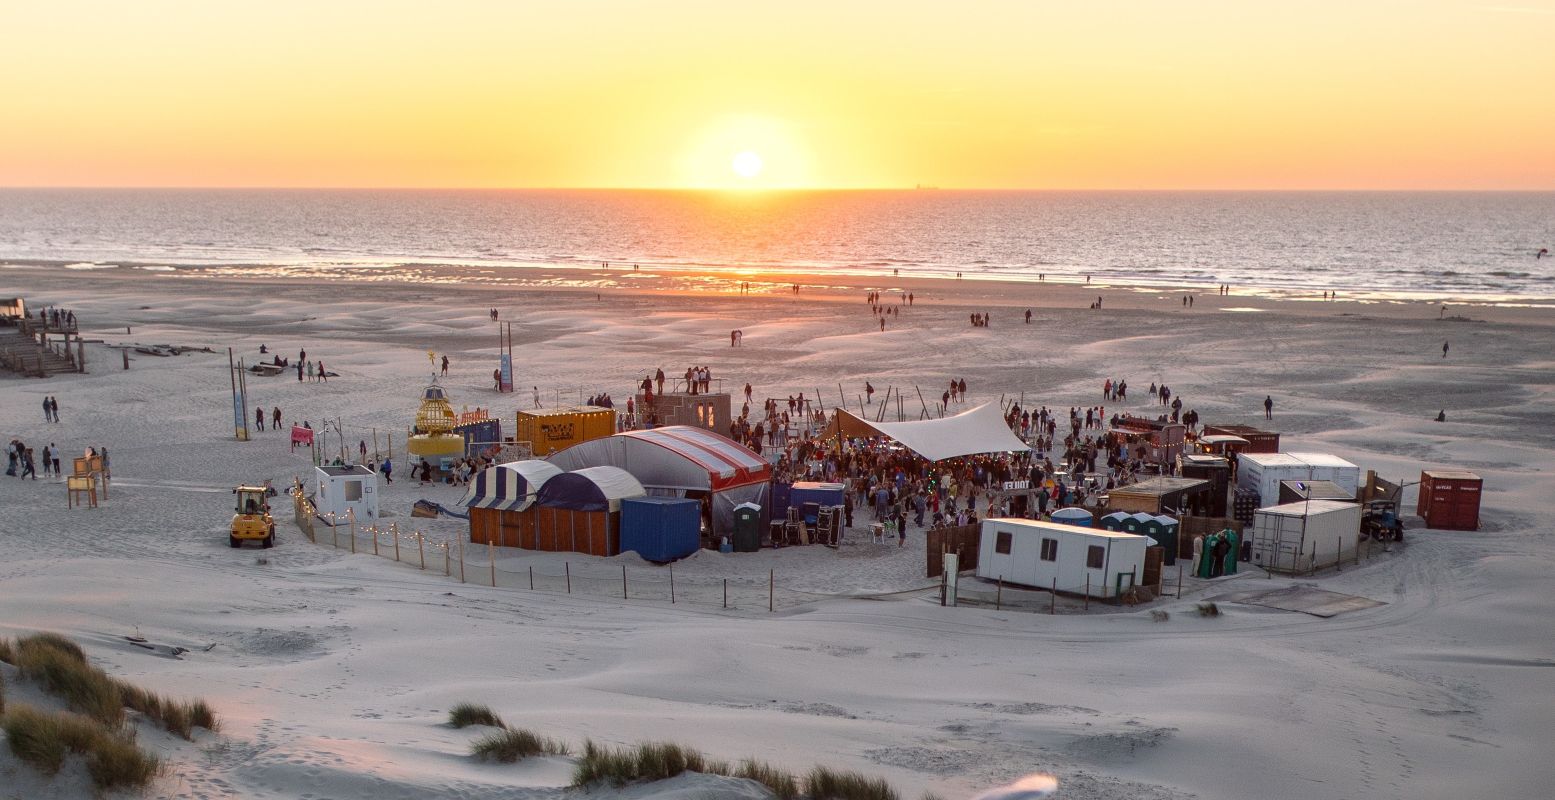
<point x="1148" y="94"/>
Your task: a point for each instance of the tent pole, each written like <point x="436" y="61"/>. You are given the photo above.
<point x="921" y="401"/>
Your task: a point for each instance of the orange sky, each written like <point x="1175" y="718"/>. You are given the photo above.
<point x="1428" y="94"/>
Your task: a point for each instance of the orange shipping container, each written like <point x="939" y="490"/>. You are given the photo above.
<point x="550" y="430"/>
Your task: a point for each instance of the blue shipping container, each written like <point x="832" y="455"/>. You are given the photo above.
<point x="661" y="529"/>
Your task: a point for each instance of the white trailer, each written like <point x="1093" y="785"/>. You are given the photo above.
<point x="1298" y="537"/>
<point x="1262" y="472"/>
<point x="1038" y="553"/>
<point x="340" y="492"/>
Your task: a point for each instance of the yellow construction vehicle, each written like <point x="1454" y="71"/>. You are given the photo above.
<point x="252" y="519"/>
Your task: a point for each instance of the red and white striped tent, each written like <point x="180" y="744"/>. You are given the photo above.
<point x="681" y="461"/>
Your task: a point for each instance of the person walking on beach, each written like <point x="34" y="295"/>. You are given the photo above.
<point x="388" y="471"/>
<point x="1444" y="355"/>
<point x="361" y="447"/>
<point x="1268" y="407"/>
<point x="323" y="376"/>
<point x="445" y="363"/>
<point x="310" y="372"/>
<point x="47" y="464"/>
<point x="869" y="392"/>
<point x="1028" y="316"/>
<point x="259" y="419"/>
<point x="275" y="418"/>
<point x="46" y="417"/>
<point x="299" y="371"/>
<point x="658" y="378"/>
<point x="537" y="395"/>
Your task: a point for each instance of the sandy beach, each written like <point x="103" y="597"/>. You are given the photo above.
<point x="334" y="671"/>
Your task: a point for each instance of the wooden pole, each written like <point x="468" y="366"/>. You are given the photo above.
<point x="394" y="530"/>
<point x="726" y="592"/>
<point x="672" y="584"/>
<point x="351" y="518"/>
<point x="998" y="597"/>
<point x="374" y="529"/>
<point x="568" y="567"/>
<point x="771" y="582"/>
<point x="421" y="549"/>
<point x="491" y="559"/>
<point x="623" y="581"/>
<point x="1053" y="599"/>
<point x="1178" y="595"/>
<point x="1087" y="592"/>
<point x="922" y="402"/>
<point x="531" y="577"/>
<point x="1339" y="554"/>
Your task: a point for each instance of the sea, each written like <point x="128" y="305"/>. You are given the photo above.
<point x="1428" y="244"/>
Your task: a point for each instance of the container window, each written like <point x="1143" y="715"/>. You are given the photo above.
<point x="1049" y="549"/>
<point x="1002" y="542"/>
<point x="353" y="490"/>
<point x="1094" y="557"/>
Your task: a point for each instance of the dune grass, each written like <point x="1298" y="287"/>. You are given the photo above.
<point x="7" y="651"/>
<point x="780" y="782"/>
<point x="824" y="783"/>
<point x="1208" y="610"/>
<point x="466" y="714"/>
<point x="42" y="739"/>
<point x="60" y="666"/>
<point x="508" y="746"/>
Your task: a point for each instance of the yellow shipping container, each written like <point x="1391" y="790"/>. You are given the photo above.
<point x="552" y="429"/>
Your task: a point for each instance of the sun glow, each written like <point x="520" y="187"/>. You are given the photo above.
<point x="746" y="164"/>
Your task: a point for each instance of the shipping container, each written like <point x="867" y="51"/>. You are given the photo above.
<point x="1449" y="499"/>
<point x="1262" y="472"/>
<point x="1076" y="560"/>
<point x="553" y="429"/>
<point x="661" y="529"/>
<point x="1299" y="537"/>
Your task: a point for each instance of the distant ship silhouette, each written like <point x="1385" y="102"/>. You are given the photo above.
<point x="922" y="187"/>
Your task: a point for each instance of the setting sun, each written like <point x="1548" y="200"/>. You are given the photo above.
<point x="747" y="164"/>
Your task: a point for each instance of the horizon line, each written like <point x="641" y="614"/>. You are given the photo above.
<point x="765" y="190"/>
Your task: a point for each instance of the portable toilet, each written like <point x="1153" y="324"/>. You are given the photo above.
<point x="1162" y="530"/>
<point x="343" y="491"/>
<point x="661" y="529"/>
<point x="1113" y="521"/>
<point x="747" y="528"/>
<point x="1073" y="515"/>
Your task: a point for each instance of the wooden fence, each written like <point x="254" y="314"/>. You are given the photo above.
<point x="962" y="540"/>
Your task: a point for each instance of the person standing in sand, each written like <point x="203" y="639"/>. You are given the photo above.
<point x="537" y="395"/>
<point x="323" y="376"/>
<point x="1268" y="407"/>
<point x="46" y="409"/>
<point x="275" y="418"/>
<point x="1444" y="355"/>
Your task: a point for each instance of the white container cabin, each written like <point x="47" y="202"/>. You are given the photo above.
<point x="1262" y="472"/>
<point x="1037" y="553"/>
<point x="1298" y="537"/>
<point x="339" y="491"/>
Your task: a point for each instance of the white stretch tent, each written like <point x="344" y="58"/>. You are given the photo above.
<point x="978" y="430"/>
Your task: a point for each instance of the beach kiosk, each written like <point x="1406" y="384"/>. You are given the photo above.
<point x="550" y="430"/>
<point x="1042" y="554"/>
<point x="345" y="492"/>
<point x="500" y="502"/>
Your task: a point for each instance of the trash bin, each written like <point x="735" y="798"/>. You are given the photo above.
<point x="747" y="528"/>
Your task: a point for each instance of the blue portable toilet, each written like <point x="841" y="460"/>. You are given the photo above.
<point x="661" y="529"/>
<point x="1073" y="515"/>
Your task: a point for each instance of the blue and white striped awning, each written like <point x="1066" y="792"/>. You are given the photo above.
<point x="509" y="487"/>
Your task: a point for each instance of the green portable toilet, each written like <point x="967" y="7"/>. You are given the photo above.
<point x="1114" y="521"/>
<point x="1163" y="531"/>
<point x="1206" y="566"/>
<point x="1135" y="523"/>
<point x="747" y="528"/>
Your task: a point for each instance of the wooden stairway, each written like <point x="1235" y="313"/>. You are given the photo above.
<point x="19" y="353"/>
